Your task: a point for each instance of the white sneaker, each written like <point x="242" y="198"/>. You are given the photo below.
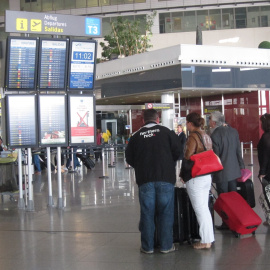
<point x="146" y="252"/>
<point x="169" y="250"/>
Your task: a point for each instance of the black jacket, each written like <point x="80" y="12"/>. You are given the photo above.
<point x="152" y="152"/>
<point x="182" y="141"/>
<point x="264" y="155"/>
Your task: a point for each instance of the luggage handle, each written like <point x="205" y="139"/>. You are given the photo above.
<point x="224" y="215"/>
<point x="252" y="227"/>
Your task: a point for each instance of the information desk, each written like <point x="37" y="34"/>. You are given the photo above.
<point x="8" y="179"/>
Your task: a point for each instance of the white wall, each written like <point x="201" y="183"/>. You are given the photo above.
<point x="248" y="38"/>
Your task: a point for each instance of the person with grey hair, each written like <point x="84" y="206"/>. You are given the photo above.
<point x="226" y="145"/>
<point x="217" y="119"/>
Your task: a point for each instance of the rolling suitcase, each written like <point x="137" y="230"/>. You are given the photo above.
<point x="236" y="213"/>
<point x="186" y="227"/>
<point x="264" y="198"/>
<point x="87" y="161"/>
<point x="246" y="190"/>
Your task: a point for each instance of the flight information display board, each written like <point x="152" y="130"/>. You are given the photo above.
<point x="21" y="72"/>
<point x="82" y="65"/>
<point x="81" y="119"/>
<point x="52" y="120"/>
<point x="53" y="54"/>
<point x="21" y="112"/>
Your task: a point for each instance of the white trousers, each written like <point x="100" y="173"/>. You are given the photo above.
<point x="198" y="192"/>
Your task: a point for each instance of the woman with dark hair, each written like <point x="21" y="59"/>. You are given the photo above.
<point x="264" y="148"/>
<point x="198" y="187"/>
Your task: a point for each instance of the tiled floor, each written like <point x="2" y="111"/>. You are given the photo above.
<point x="98" y="229"/>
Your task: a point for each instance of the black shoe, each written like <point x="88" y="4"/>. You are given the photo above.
<point x="223" y="226"/>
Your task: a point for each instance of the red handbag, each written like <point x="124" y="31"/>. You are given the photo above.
<point x="205" y="162"/>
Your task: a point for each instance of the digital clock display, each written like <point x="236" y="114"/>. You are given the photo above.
<point x="82" y="65"/>
<point x="83" y="56"/>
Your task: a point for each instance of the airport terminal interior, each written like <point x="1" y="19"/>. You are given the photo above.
<point x="97" y="227"/>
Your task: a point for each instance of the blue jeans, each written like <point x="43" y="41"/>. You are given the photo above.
<point x="36" y="162"/>
<point x="156" y="198"/>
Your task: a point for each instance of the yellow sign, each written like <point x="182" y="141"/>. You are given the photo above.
<point x="36" y="25"/>
<point x="21" y="24"/>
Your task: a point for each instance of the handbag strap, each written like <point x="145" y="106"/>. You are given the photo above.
<point x="201" y="139"/>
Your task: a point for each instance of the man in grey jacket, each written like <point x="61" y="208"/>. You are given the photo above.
<point x="226" y="145"/>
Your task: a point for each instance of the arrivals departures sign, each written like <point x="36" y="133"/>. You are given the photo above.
<point x="52" y="24"/>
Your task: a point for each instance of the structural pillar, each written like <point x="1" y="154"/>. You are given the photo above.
<point x="168" y="114"/>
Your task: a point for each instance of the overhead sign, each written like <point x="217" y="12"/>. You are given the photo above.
<point x="161" y="106"/>
<point x="52" y="24"/>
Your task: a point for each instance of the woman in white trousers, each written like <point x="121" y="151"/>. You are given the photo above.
<point x="198" y="187"/>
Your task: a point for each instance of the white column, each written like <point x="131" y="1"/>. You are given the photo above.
<point x="168" y="114"/>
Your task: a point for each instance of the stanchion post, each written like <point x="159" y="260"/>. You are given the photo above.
<point x="251" y="153"/>
<point x="111" y="157"/>
<point x="50" y="197"/>
<point x="103" y="166"/>
<point x="30" y="205"/>
<point x="242" y="149"/>
<point x="21" y="203"/>
<point x="59" y="179"/>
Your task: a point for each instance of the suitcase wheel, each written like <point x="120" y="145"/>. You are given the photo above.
<point x="237" y="235"/>
<point x="253" y="233"/>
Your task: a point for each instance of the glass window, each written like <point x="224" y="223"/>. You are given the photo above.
<point x="80" y="3"/>
<point x="240" y="18"/>
<point x="106" y="26"/>
<point x="104" y="2"/>
<point x="117" y="2"/>
<point x="177" y="20"/>
<point x="4" y="4"/>
<point x="142" y="19"/>
<point x="202" y="16"/>
<point x="214" y="19"/>
<point x="139" y="1"/>
<point x="70" y="4"/>
<point x="59" y="4"/>
<point x="92" y="3"/>
<point x="265" y="16"/>
<point x="47" y="5"/>
<point x="227" y="18"/>
<point x="165" y="23"/>
<point x="189" y="21"/>
<point x="253" y="17"/>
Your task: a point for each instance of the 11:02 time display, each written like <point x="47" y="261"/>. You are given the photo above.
<point x="83" y="56"/>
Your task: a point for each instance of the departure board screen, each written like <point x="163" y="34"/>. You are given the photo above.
<point x="82" y="119"/>
<point x="52" y="64"/>
<point x="21" y="63"/>
<point x="82" y="65"/>
<point x="21" y="121"/>
<point x="52" y="120"/>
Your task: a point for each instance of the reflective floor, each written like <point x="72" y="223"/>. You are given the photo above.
<point x="98" y="229"/>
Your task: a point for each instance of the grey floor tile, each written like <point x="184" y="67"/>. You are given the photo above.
<point x="98" y="229"/>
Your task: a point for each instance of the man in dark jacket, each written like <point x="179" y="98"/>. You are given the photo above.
<point x="182" y="140"/>
<point x="226" y="145"/>
<point x="152" y="152"/>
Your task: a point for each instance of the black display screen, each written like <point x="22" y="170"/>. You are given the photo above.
<point x="53" y="120"/>
<point x="82" y="65"/>
<point x="21" y="121"/>
<point x="21" y="70"/>
<point x="53" y="55"/>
